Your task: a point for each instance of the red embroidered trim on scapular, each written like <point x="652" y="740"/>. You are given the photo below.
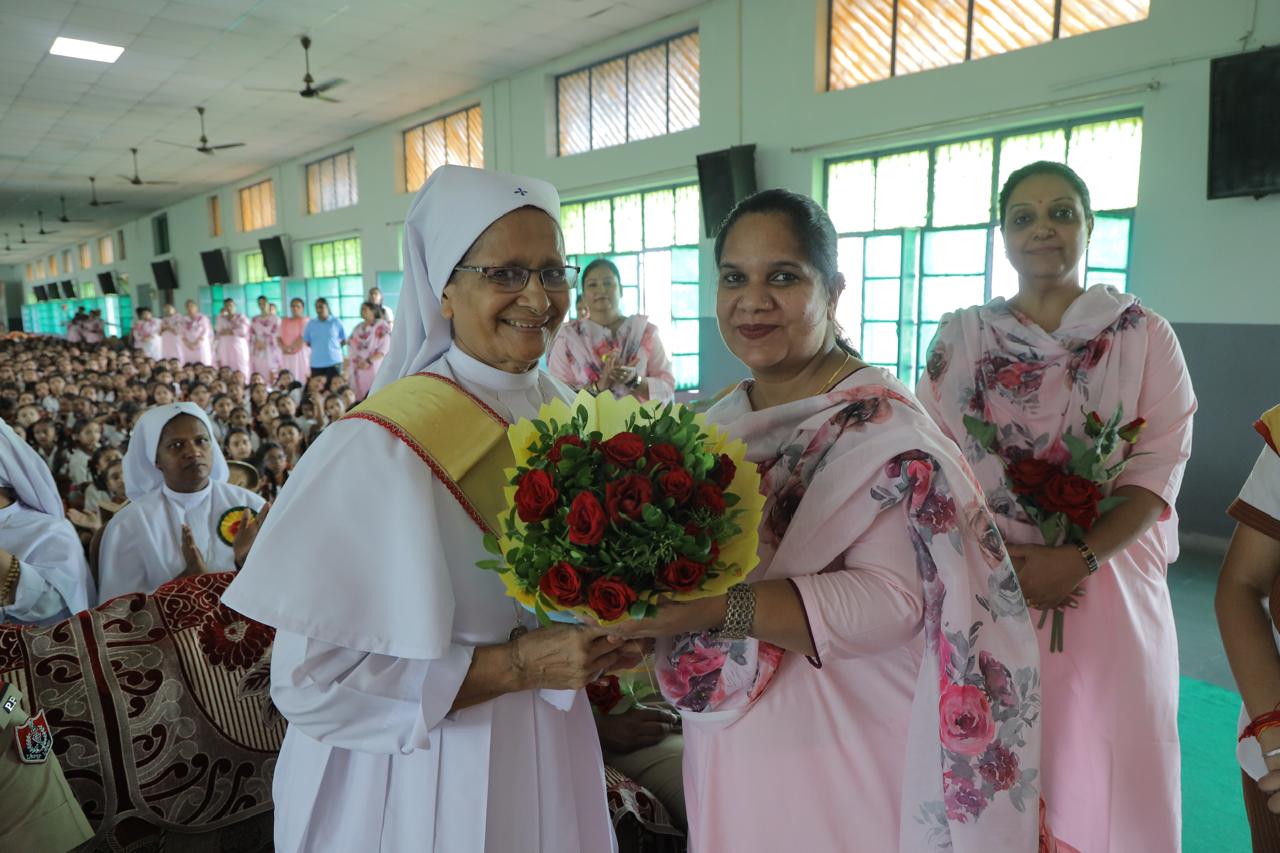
<point x="436" y="468"/>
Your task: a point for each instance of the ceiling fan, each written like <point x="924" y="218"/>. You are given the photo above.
<point x="204" y="147"/>
<point x="7" y="247"/>
<point x="64" y="218"/>
<point x="309" y="89"/>
<point x="22" y="235"/>
<point x="93" y="193"/>
<point x="42" y="232"/>
<point x="137" y="181"/>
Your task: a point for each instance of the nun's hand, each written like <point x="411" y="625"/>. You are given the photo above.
<point x="191" y="555"/>
<point x="566" y="657"/>
<point x="84" y="520"/>
<point x="247" y="534"/>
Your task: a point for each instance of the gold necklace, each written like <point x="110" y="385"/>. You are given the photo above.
<point x="830" y="383"/>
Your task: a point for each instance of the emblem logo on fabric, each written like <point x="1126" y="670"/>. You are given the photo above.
<point x="520" y="191"/>
<point x="35" y="740"/>
<point x="10" y="703"/>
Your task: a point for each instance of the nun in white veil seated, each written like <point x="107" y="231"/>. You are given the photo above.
<point x="43" y="574"/>
<point x="182" y="511"/>
<point x="427" y="711"/>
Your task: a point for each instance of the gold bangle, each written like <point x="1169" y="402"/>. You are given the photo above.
<point x="10" y="579"/>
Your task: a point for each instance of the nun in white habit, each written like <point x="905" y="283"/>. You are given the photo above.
<point x="42" y="564"/>
<point x="176" y="480"/>
<point x="416" y="722"/>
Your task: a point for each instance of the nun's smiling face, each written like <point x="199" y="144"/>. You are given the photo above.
<point x="509" y="331"/>
<point x="185" y="454"/>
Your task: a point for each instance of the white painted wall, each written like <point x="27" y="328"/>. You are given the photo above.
<point x="1194" y="260"/>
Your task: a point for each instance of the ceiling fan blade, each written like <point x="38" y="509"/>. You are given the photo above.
<point x="228" y="145"/>
<point x="264" y="89"/>
<point x="327" y="99"/>
<point x="177" y="144"/>
<point x="127" y="178"/>
<point x="158" y="183"/>
<point x="103" y="203"/>
<point x="328" y="84"/>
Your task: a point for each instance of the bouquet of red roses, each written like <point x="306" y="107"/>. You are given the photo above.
<point x="613" y="505"/>
<point x="1063" y="496"/>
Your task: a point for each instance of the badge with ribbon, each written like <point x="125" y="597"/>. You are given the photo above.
<point x="35" y="740"/>
<point x="231" y="522"/>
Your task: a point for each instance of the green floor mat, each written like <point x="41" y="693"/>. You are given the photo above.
<point x="1213" y="818"/>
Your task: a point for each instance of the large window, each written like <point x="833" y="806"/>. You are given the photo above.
<point x="53" y="265"/>
<point x="331" y="183"/>
<point x="875" y="39"/>
<point x="920" y="234"/>
<point x="160" y="234"/>
<point x="215" y="216"/>
<point x="86" y="259"/>
<point x="120" y="245"/>
<point x="106" y="251"/>
<point x="456" y="139"/>
<point x="66" y="260"/>
<point x="334" y="257"/>
<point x="653" y="238"/>
<point x="645" y="93"/>
<point x="257" y="206"/>
<point x="250" y="267"/>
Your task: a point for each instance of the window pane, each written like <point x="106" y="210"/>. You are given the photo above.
<point x="684" y="300"/>
<point x="955" y="252"/>
<point x="655" y="267"/>
<point x="684" y="336"/>
<point x="1107" y="155"/>
<point x="1118" y="280"/>
<point x="851" y="195"/>
<point x="880" y="344"/>
<point x="861" y="36"/>
<point x="849" y="308"/>
<point x="685" y="368"/>
<point x="884" y="256"/>
<point x="951" y="293"/>
<point x="575" y="112"/>
<point x="1018" y="151"/>
<point x="328" y="185"/>
<point x="1084" y="16"/>
<point x="962" y="183"/>
<point x="458" y="151"/>
<point x="571" y="225"/>
<point x="630" y="300"/>
<point x="659" y="219"/>
<point x="685" y="82"/>
<point x="608" y="104"/>
<point x="647" y="93"/>
<point x="475" y="137"/>
<point x="435" y="145"/>
<point x="684" y="265"/>
<point x="902" y="190"/>
<point x="415" y="159"/>
<point x="629" y="268"/>
<point x="599" y="226"/>
<point x="931" y="34"/>
<point x="627" y="225"/>
<point x="881" y="298"/>
<point x="1000" y="26"/>
<point x="688" y="215"/>
<point x="1004" y="279"/>
<point x="1109" y="245"/>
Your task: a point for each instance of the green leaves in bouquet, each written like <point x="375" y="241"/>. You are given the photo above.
<point x="983" y="432"/>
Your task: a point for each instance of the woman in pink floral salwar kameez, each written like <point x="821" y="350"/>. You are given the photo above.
<point x="170" y="334"/>
<point x="875" y="686"/>
<point x="295" y="355"/>
<point x="265" y="357"/>
<point x="232" y="332"/>
<point x="195" y="336"/>
<point x="1033" y="366"/>
<point x="367" y="346"/>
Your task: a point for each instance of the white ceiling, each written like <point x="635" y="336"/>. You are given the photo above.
<point x="62" y="119"/>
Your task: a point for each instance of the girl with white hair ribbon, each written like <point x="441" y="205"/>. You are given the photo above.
<point x="426" y="710"/>
<point x="182" y="515"/>
<point x="43" y="574"/>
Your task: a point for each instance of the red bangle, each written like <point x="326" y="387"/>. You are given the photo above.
<point x="1260" y="723"/>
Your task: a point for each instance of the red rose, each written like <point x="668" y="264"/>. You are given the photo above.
<point x="1130" y="431"/>
<point x="586" y="520"/>
<point x="665" y="455"/>
<point x="562" y="584"/>
<point x="554" y="453"/>
<point x="676" y="484"/>
<point x="682" y="574"/>
<point x="1074" y="496"/>
<point x="605" y="694"/>
<point x="624" y="449"/>
<point x="724" y="471"/>
<point x="628" y="496"/>
<point x="536" y="496"/>
<point x="711" y="498"/>
<point x="1028" y="475"/>
<point x="610" y="598"/>
<point x="1094" y="425"/>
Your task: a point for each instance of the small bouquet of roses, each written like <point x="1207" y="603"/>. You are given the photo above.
<point x="1063" y="496"/>
<point x="614" y="505"/>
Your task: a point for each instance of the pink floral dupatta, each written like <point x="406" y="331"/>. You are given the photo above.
<point x="830" y="465"/>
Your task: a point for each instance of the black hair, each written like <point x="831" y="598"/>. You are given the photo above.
<point x="1046" y="167"/>
<point x="812" y="227"/>
<point x="265" y="448"/>
<point x="375" y="308"/>
<point x="601" y="262"/>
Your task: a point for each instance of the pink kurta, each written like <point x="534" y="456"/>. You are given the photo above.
<point x="298" y="363"/>
<point x="264" y="348"/>
<point x="368" y="344"/>
<point x="146" y="337"/>
<point x="585" y="351"/>
<point x="170" y="340"/>
<point x="1111" y="755"/>
<point x="195" y="336"/>
<point x="232" y="345"/>
<point x="93" y="332"/>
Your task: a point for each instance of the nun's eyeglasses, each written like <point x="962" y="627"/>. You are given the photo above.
<point x="515" y="279"/>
